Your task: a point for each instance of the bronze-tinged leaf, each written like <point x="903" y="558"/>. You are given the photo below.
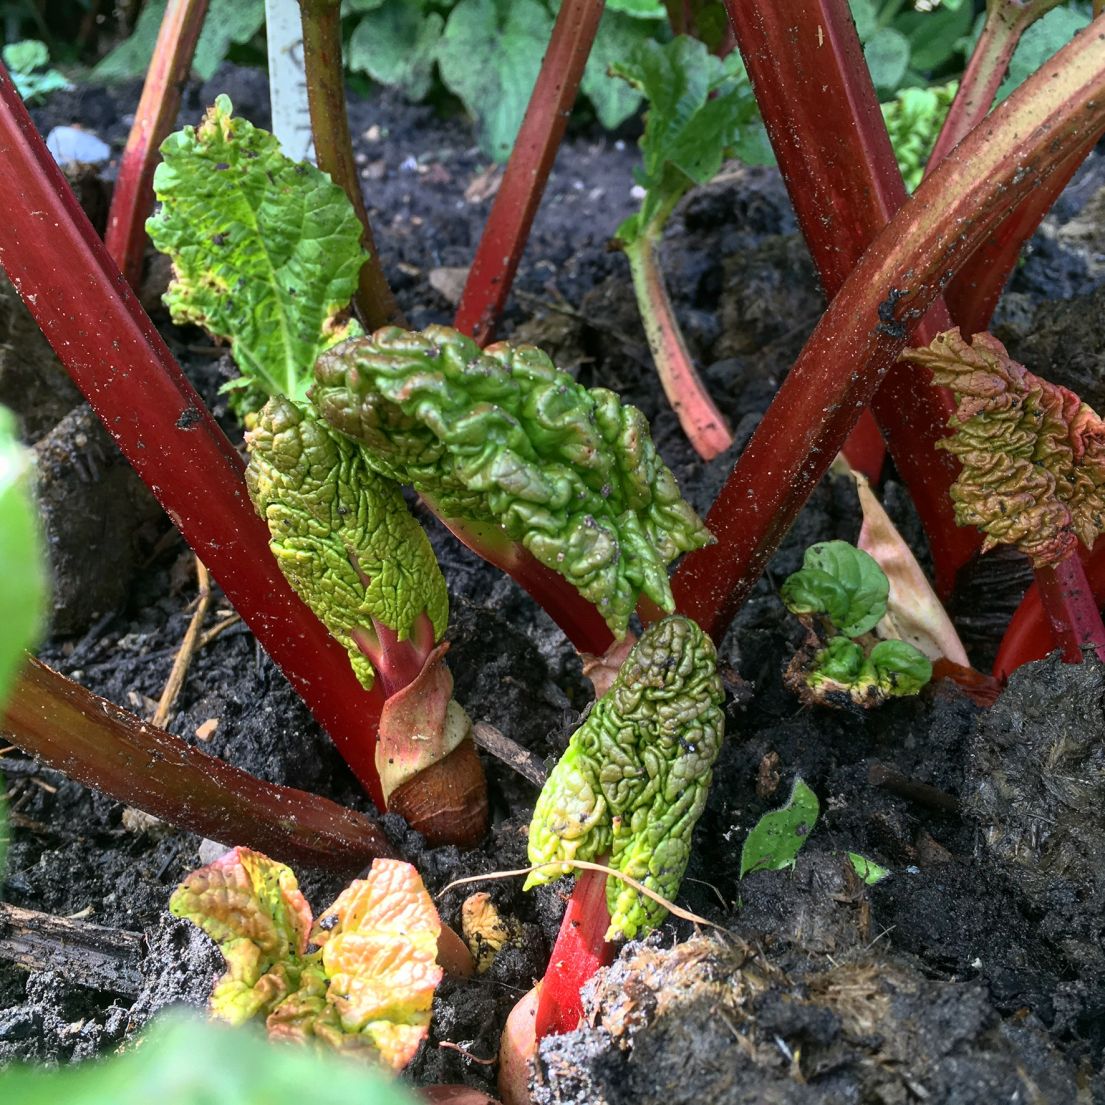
<point x="1033" y="453"/>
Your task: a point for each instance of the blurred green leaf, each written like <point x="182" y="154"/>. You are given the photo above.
<point x="778" y="836"/>
<point x="396" y="45"/>
<point x="1040" y="41"/>
<point x="185" y="1061"/>
<point x="887" y="55"/>
<point x="867" y="869"/>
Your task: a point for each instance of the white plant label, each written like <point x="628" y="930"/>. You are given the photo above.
<point x="291" y="117"/>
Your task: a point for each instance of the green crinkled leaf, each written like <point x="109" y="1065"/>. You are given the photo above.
<point x="867" y="869"/>
<point x="778" y="836"/>
<point x="638" y="9"/>
<point x="265" y="251"/>
<point x="251" y="907"/>
<point x="914" y="118"/>
<point x="186" y="1061"/>
<point x="501" y="436"/>
<point x="23" y="585"/>
<point x="25" y="61"/>
<point x="856" y="605"/>
<point x="489" y="55"/>
<point x="341" y="532"/>
<point x="396" y="44"/>
<point x="897" y="668"/>
<point x="228" y="23"/>
<point x="701" y="110"/>
<point x="636" y="774"/>
<point x="840" y="662"/>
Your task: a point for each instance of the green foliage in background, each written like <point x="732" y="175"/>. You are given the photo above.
<point x="28" y="63"/>
<point x="185" y="1061"/>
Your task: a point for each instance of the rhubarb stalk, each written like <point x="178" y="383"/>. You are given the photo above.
<point x="119" y="361"/>
<point x="868" y="323"/>
<point x="157" y="111"/>
<point x="322" y="61"/>
<point x="826" y="127"/>
<point x="103" y="746"/>
<point x="527" y="172"/>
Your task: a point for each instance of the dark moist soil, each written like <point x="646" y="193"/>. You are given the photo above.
<point x="974" y="973"/>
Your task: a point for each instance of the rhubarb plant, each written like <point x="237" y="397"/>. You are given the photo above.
<point x="700" y="111"/>
<point x="840" y="595"/>
<point x="502" y="437"/>
<point x="365" y="990"/>
<point x="266" y="252"/>
<point x="635" y="777"/>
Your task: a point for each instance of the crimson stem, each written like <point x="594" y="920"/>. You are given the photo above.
<point x="374" y="300"/>
<point x="704" y="425"/>
<point x="132" y="197"/>
<point x="807" y="70"/>
<point x="868" y="323"/>
<point x="122" y="365"/>
<point x="527" y="172"/>
<point x="103" y="746"/>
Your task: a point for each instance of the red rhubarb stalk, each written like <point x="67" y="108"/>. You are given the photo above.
<point x="579" y="619"/>
<point x="103" y="746"/>
<point x="704" y="425"/>
<point x="119" y="361"/>
<point x="823" y="118"/>
<point x="1071" y="609"/>
<point x="527" y="172"/>
<point x="157" y="111"/>
<point x="1006" y="21"/>
<point x="580" y="950"/>
<point x="869" y="321"/>
<point x="374" y="300"/>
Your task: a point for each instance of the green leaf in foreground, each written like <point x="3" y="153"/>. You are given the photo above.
<point x="500" y="435"/>
<point x="778" y="836"/>
<point x="867" y="869"/>
<point x="636" y="774"/>
<point x="841" y="582"/>
<point x="186" y="1061"/>
<point x="23" y="580"/>
<point x="265" y="251"/>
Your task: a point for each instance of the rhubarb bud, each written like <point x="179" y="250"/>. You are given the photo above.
<point x="1033" y="453"/>
<point x="343" y="535"/>
<point x="501" y="436"/>
<point x="636" y="774"/>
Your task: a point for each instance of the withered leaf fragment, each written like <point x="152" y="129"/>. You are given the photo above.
<point x="1033" y="453"/>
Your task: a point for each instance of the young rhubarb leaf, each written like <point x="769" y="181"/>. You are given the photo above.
<point x="636" y="774"/>
<point x="367" y="991"/>
<point x="342" y="534"/>
<point x="701" y="111"/>
<point x="777" y="838"/>
<point x="1033" y="453"/>
<point x="841" y="582"/>
<point x="500" y="435"/>
<point x="914" y="118"/>
<point x="896" y="669"/>
<point x="23" y="580"/>
<point x="251" y="907"/>
<point x="265" y="251"/>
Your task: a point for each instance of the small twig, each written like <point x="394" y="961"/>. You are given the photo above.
<point x="510" y="752"/>
<point x="468" y="1055"/>
<point x="217" y="628"/>
<point x="585" y="865"/>
<point x="891" y="779"/>
<point x="187" y="649"/>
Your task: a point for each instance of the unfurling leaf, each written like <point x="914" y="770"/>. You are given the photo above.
<point x="501" y="436"/>
<point x="777" y="838"/>
<point x="341" y="532"/>
<point x="265" y="251"/>
<point x="636" y="774"/>
<point x="1033" y="453"/>
<point x="367" y="991"/>
<point x="841" y="582"/>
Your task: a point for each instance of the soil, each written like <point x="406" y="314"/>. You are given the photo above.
<point x="974" y="972"/>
